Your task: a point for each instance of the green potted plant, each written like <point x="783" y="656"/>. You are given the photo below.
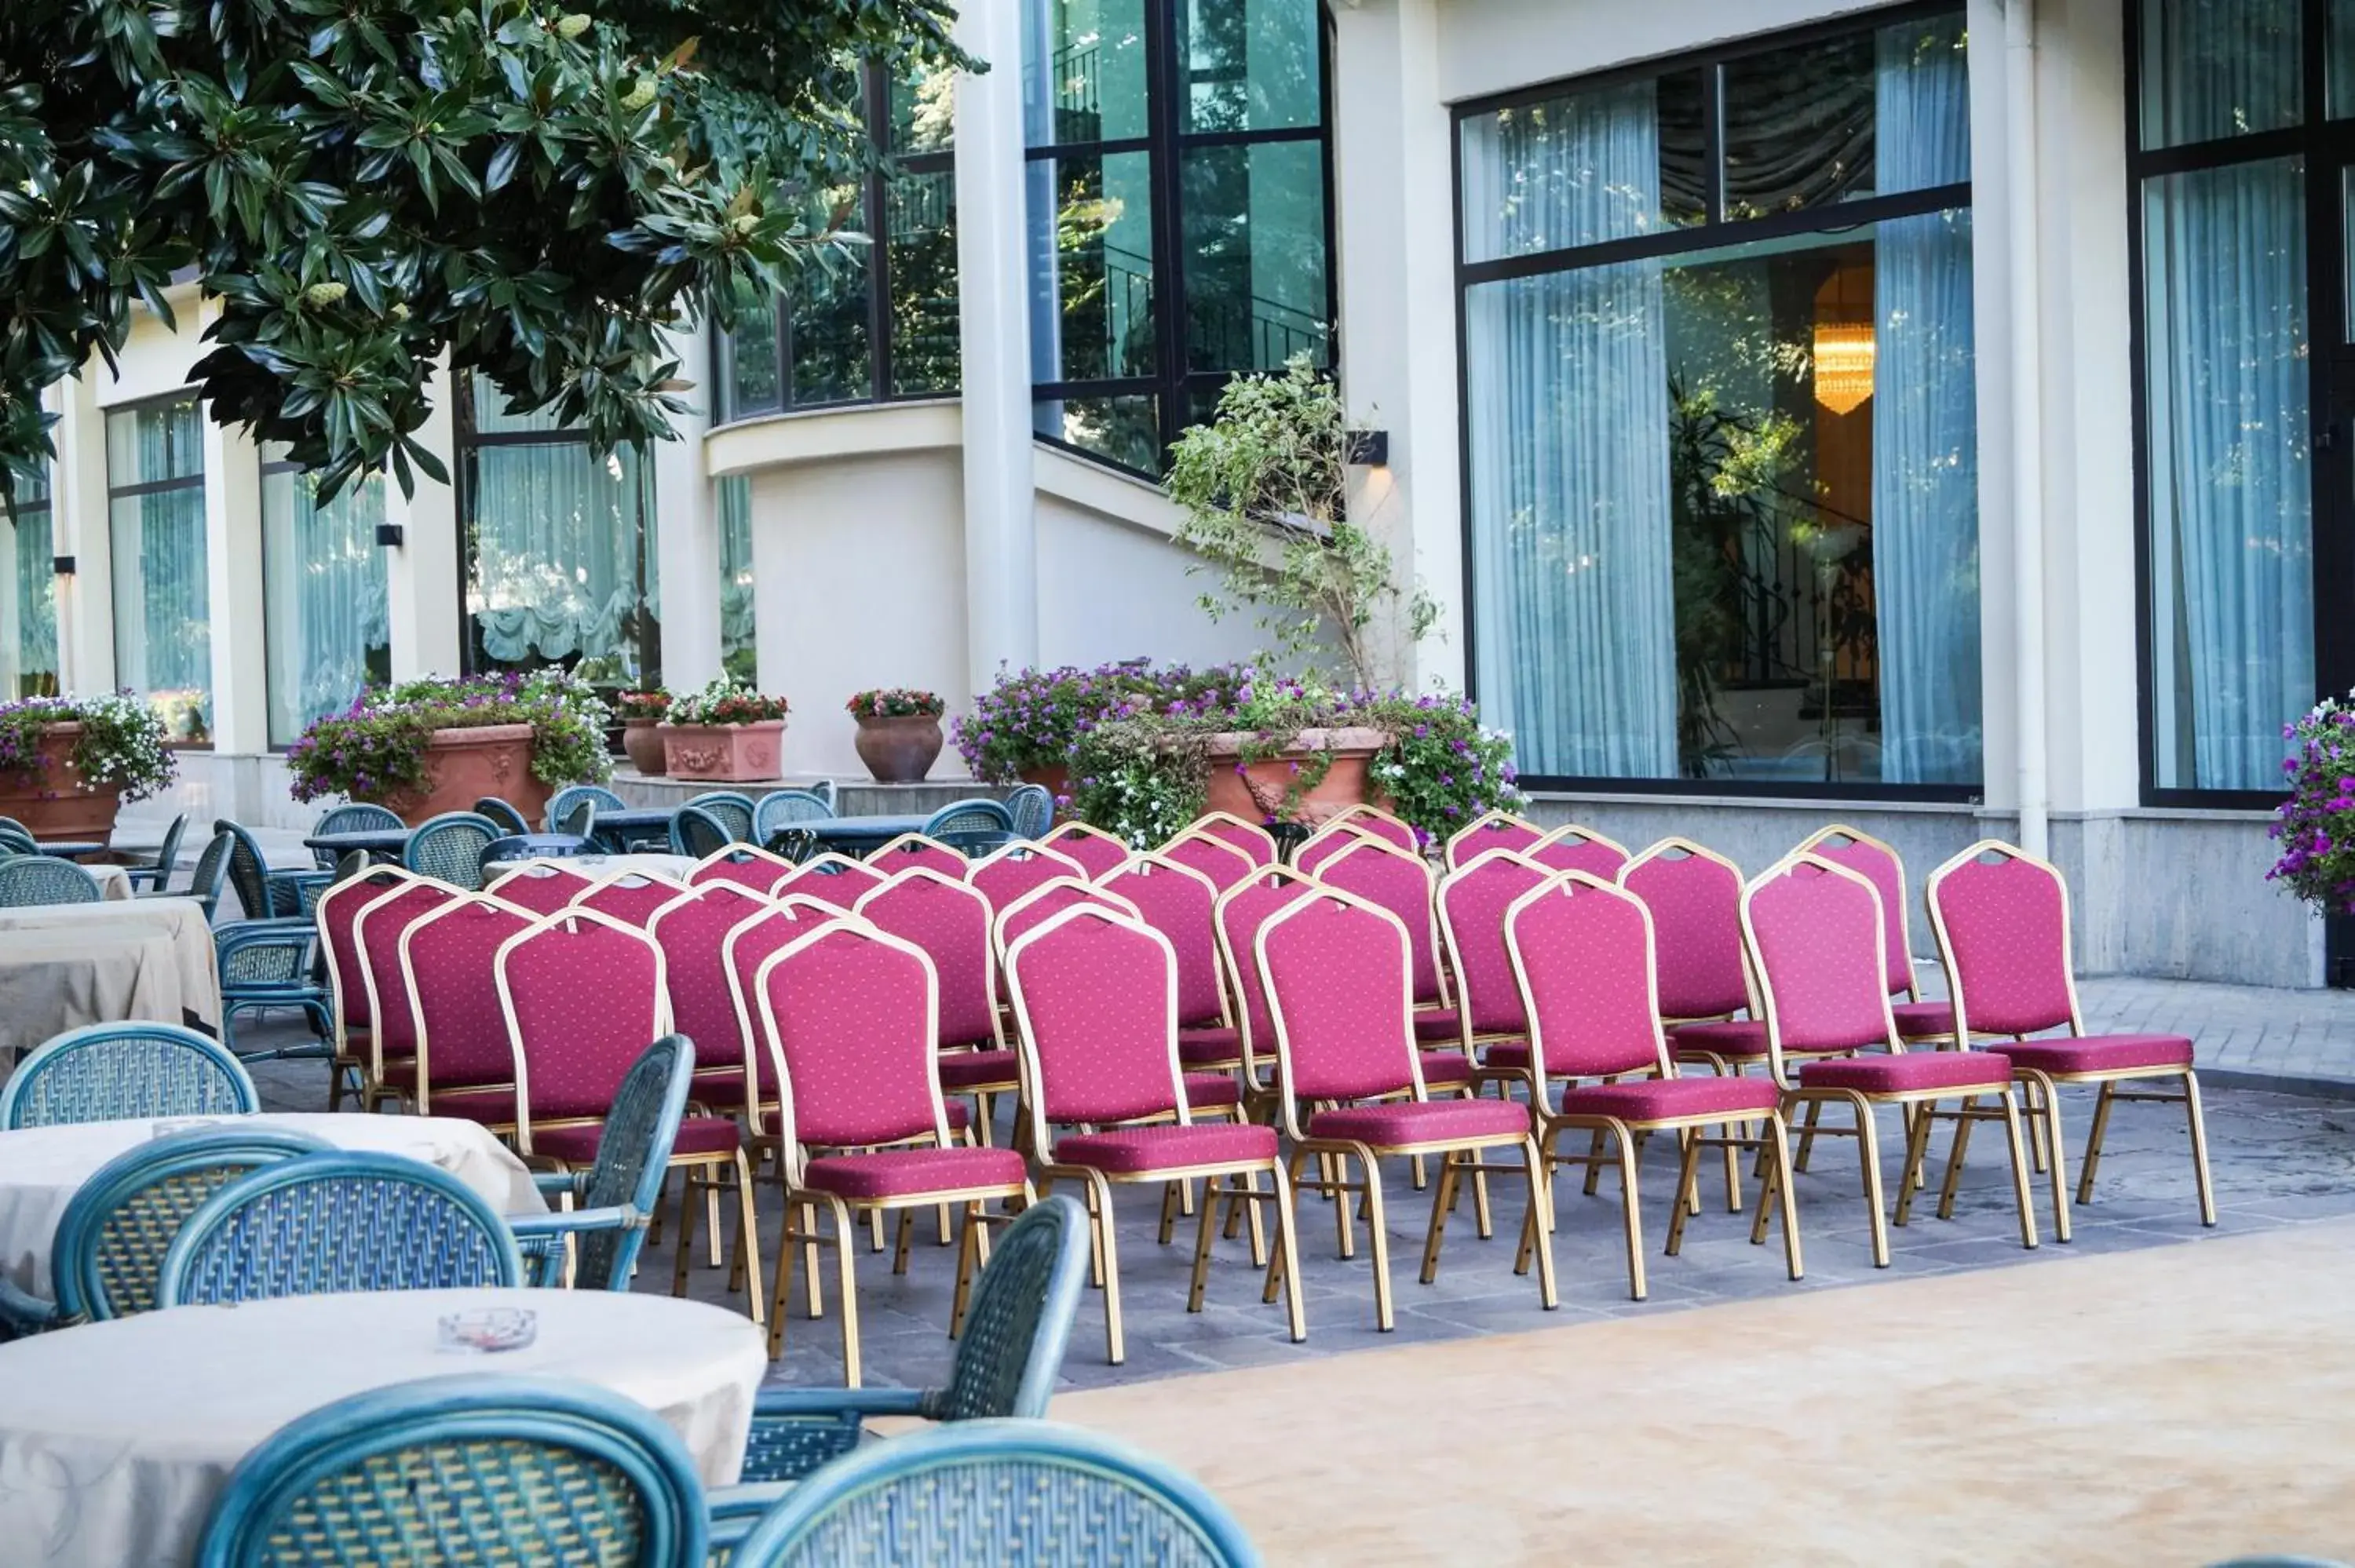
<point x="898" y="733"/>
<point x="640" y="713"/>
<point x="67" y="764"/>
<point x="726" y="733"/>
<point x="425" y="746"/>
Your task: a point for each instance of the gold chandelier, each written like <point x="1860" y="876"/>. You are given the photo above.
<point x="1844" y="356"/>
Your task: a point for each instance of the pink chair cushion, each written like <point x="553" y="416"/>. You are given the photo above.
<point x="1513" y="1055"/>
<point x="1912" y="1072"/>
<point x="695" y="972"/>
<point x="1597" y="860"/>
<point x="1242" y="918"/>
<point x="1096" y="855"/>
<point x="1439" y="1123"/>
<point x="1211" y="1091"/>
<point x="1489" y="835"/>
<point x="379" y="948"/>
<point x="1131" y="1149"/>
<point x="1005" y="878"/>
<point x="2101" y="1052"/>
<point x="897" y="858"/>
<point x="1922" y="1020"/>
<point x="1660" y="1099"/>
<point x="491" y="1107"/>
<point x="1444" y="1069"/>
<point x="1730" y="1037"/>
<point x="1198" y="1046"/>
<point x="1255" y="843"/>
<point x="899" y="1172"/>
<point x="541" y="889"/>
<point x="697" y="1134"/>
<point x="963" y="1071"/>
<point x="1224" y="864"/>
<point x="1881" y="868"/>
<point x="756" y="872"/>
<point x="1438" y="1023"/>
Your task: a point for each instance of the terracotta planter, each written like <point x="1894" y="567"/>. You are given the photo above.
<point x="1056" y="781"/>
<point x="461" y="766"/>
<point x="56" y="802"/>
<point x="643" y="746"/>
<point x="1257" y="794"/>
<point x="724" y="753"/>
<point x="899" y="750"/>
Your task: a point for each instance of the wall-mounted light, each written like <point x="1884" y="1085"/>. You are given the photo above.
<point x="389" y="534"/>
<point x="62" y="565"/>
<point x="1369" y="449"/>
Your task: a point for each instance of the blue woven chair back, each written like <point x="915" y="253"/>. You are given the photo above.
<point x="633" y="1156"/>
<point x="532" y="846"/>
<point x="108" y="1257"/>
<point x="969" y="817"/>
<point x="695" y="833"/>
<point x="249" y="872"/>
<point x="1020" y="1320"/>
<point x="211" y="873"/>
<point x="16" y="841"/>
<point x="167" y="854"/>
<point x="27" y="879"/>
<point x="11" y="825"/>
<point x="735" y="811"/>
<point x="358" y="816"/>
<point x="999" y="1494"/>
<point x="783" y="808"/>
<point x="450" y="847"/>
<point x="470" y="1469"/>
<point x="509" y="819"/>
<point x="561" y="804"/>
<point x="1033" y="809"/>
<point x="112" y="1072"/>
<point x="345" y="1221"/>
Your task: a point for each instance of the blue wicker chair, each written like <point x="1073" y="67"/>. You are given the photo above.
<point x="156" y="878"/>
<point x="264" y="894"/>
<point x="471" y="1468"/>
<point x="615" y="1199"/>
<point x="450" y="847"/>
<point x="509" y="819"/>
<point x="1033" y="809"/>
<point x="996" y="1494"/>
<point x="695" y="833"/>
<point x="272" y="963"/>
<point x="359" y="816"/>
<point x="328" y="1223"/>
<point x="111" y="1240"/>
<point x="1007" y="1359"/>
<point x="795" y="844"/>
<point x="37" y="879"/>
<point x="558" y="817"/>
<point x="533" y="846"/>
<point x="736" y="811"/>
<point x="206" y="882"/>
<point x="114" y="1072"/>
<point x="785" y="808"/>
<point x="16" y="841"/>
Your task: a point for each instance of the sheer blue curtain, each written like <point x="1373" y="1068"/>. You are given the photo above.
<point x="738" y="624"/>
<point x="1568" y="410"/>
<point x="28" y="620"/>
<point x="163" y="616"/>
<point x="1925" y="528"/>
<point x="323" y="597"/>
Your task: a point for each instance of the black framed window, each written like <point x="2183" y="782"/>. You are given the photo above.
<point x="2241" y="158"/>
<point x="163" y="585"/>
<point x="1720" y="417"/>
<point x="1178" y="194"/>
<point x="558" y="560"/>
<point x="29" y="611"/>
<point x="872" y="323"/>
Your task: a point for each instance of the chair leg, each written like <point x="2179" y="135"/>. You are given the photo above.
<point x="2019" y="1168"/>
<point x="2199" y="1148"/>
<point x="969" y="1260"/>
<point x="1631" y="1213"/>
<point x="1732" y="1174"/>
<point x="2044" y="1115"/>
<point x="905" y="1231"/>
<point x="1287" y="1260"/>
<point x="2038" y="1127"/>
<point x="1486" y="1222"/>
<point x="1539" y="1220"/>
<point x="711" y="1215"/>
<point x="1780" y="1132"/>
<point x="2093" y="1141"/>
<point x="1955" y="1156"/>
<point x="1442" y="1200"/>
<point x="1917" y="1152"/>
<point x="809" y="1260"/>
<point x="1868" y="1141"/>
<point x="845" y="1255"/>
<point x="784" y="1286"/>
<point x="685" y="1250"/>
<point x="1339" y="1164"/>
<point x="1100" y="1206"/>
<point x="1205" y="1230"/>
<point x="1168" y="1211"/>
<point x="1807" y="1136"/>
<point x="654" y="1220"/>
<point x="1687" y="1202"/>
<point x="1376" y="1222"/>
<point x="1594" y="1152"/>
<point x="747" y="1234"/>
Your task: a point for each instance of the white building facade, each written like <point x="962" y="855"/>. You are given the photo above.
<point x="1932" y="416"/>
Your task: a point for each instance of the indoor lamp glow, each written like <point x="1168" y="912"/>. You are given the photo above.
<point x="1844" y="357"/>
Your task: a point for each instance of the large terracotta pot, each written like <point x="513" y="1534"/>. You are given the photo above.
<point x="58" y="803"/>
<point x="461" y="766"/>
<point x="899" y="750"/>
<point x="724" y="753"/>
<point x="1055" y="780"/>
<point x="1257" y="792"/>
<point x="643" y="746"/>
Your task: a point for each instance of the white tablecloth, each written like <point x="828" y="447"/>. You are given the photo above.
<point x="117" y="1438"/>
<point x="113" y="881"/>
<point x="42" y="1168"/>
<point x="674" y="866"/>
<point x="64" y="965"/>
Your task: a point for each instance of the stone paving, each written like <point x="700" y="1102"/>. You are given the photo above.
<point x="2245" y="1035"/>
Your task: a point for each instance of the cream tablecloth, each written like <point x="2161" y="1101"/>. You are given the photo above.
<point x="117" y="1438"/>
<point x="42" y="1168"/>
<point x="674" y="866"/>
<point x="63" y="965"/>
<point x="113" y="881"/>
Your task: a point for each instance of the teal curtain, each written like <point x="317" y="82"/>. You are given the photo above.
<point x="28" y="617"/>
<point x="739" y="630"/>
<point x="323" y="601"/>
<point x="163" y="608"/>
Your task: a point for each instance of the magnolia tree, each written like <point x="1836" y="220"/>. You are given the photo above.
<point x="366" y="185"/>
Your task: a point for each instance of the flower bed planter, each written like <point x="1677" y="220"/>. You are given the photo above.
<point x="1256" y="790"/>
<point x="901" y="749"/>
<point x="461" y="766"/>
<point x="643" y="742"/>
<point x="724" y="753"/>
<point x="58" y="803"/>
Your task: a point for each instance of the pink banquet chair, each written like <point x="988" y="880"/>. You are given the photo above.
<point x="1694" y="896"/>
<point x="1490" y="831"/>
<point x="629" y="896"/>
<point x="1472" y="902"/>
<point x="831" y="878"/>
<point x="1375" y="822"/>
<point x="913" y="849"/>
<point x="581" y="993"/>
<point x="542" y="886"/>
<point x="1400" y="883"/>
<point x="848" y="1021"/>
<point x="2001" y="918"/>
<point x="1007" y="874"/>
<point x="1251" y="838"/>
<point x="1239" y="913"/>
<point x="746" y="947"/>
<point x="1339" y="978"/>
<point x="692" y="930"/>
<point x="336" y="916"/>
<point x="1097" y="851"/>
<point x="1182" y="905"/>
<point x="1877" y="862"/>
<point x="1814" y="932"/>
<point x="1095" y="998"/>
<point x="950" y="921"/>
<point x="449" y="964"/>
<point x="1042" y="901"/>
<point x="392" y="1041"/>
<point x="1224" y="863"/>
<point x="1327" y="842"/>
<point x="1573" y="848"/>
<point x="1581" y="954"/>
<point x="743" y="865"/>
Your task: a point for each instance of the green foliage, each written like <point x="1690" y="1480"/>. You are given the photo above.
<point x="365" y="187"/>
<point x="122" y="741"/>
<point x="376" y="749"/>
<point x="1265" y="491"/>
<point x="725" y="701"/>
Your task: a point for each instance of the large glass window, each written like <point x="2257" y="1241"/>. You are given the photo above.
<point x="155" y="518"/>
<point x="323" y="600"/>
<point x="1178" y="213"/>
<point x="29" y="615"/>
<point x="559" y="557"/>
<point x="872" y="322"/>
<point x="1722" y="418"/>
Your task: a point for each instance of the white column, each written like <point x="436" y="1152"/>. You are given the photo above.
<point x="687" y="525"/>
<point x="78" y="528"/>
<point x="2026" y="417"/>
<point x="240" y="717"/>
<point x="422" y="572"/>
<point x="1001" y="525"/>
